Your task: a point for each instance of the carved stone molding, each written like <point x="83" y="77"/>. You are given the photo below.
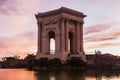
<point x="48" y="22"/>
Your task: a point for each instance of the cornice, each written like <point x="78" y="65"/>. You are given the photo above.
<point x="60" y="11"/>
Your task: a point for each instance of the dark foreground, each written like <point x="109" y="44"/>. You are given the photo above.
<point x="97" y="61"/>
<point x="24" y="74"/>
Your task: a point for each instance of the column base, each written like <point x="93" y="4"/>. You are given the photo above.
<point x="77" y="55"/>
<point x="63" y="56"/>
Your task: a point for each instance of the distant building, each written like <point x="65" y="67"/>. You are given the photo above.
<point x="65" y="26"/>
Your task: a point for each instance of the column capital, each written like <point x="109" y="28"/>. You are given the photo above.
<point x="79" y="22"/>
<point x="64" y="18"/>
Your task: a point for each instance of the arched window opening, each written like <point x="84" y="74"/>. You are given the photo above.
<point x="70" y="42"/>
<point x="69" y="45"/>
<point x="51" y="42"/>
<point x="52" y="46"/>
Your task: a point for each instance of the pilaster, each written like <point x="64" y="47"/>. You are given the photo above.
<point x="62" y="34"/>
<point x="78" y="37"/>
<point x="81" y="37"/>
<point x="39" y="37"/>
<point x="67" y="34"/>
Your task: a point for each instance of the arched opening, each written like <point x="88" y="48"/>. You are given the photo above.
<point x="52" y="46"/>
<point x="51" y="42"/>
<point x="69" y="45"/>
<point x="70" y="42"/>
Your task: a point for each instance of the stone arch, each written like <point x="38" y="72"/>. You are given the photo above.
<point x="51" y="37"/>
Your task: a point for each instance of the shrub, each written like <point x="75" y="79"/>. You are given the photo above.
<point x="42" y="62"/>
<point x="56" y="62"/>
<point x="75" y="62"/>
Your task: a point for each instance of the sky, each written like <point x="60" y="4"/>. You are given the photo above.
<point x="18" y="25"/>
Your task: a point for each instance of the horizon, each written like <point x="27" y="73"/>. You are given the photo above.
<point x="18" y="31"/>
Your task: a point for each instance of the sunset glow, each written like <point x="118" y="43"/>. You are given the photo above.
<point x="18" y="26"/>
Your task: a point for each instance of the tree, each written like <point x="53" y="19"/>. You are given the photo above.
<point x="98" y="52"/>
<point x="30" y="61"/>
<point x="30" y="57"/>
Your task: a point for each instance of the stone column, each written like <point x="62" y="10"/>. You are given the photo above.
<point x="67" y="34"/>
<point x="78" y="37"/>
<point x="58" y="37"/>
<point x="45" y="42"/>
<point x="62" y="34"/>
<point x="81" y="37"/>
<point x="39" y="36"/>
<point x="57" y="43"/>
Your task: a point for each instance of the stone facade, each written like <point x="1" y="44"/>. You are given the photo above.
<point x="61" y="24"/>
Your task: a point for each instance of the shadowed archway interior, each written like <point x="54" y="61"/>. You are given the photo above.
<point x="70" y="42"/>
<point x="51" y="35"/>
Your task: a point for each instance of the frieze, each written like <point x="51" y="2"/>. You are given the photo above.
<point x="50" y="29"/>
<point x="48" y="22"/>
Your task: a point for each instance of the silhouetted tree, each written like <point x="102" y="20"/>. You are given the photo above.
<point x="98" y="52"/>
<point x="30" y="61"/>
<point x="12" y="62"/>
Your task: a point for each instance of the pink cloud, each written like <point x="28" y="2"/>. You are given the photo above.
<point x="103" y="37"/>
<point x="99" y="38"/>
<point x="101" y="33"/>
<point x="27" y="37"/>
<point x="8" y="6"/>
<point x="96" y="28"/>
<point x="113" y="48"/>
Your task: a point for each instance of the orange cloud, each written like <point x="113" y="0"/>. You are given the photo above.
<point x="20" y="44"/>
